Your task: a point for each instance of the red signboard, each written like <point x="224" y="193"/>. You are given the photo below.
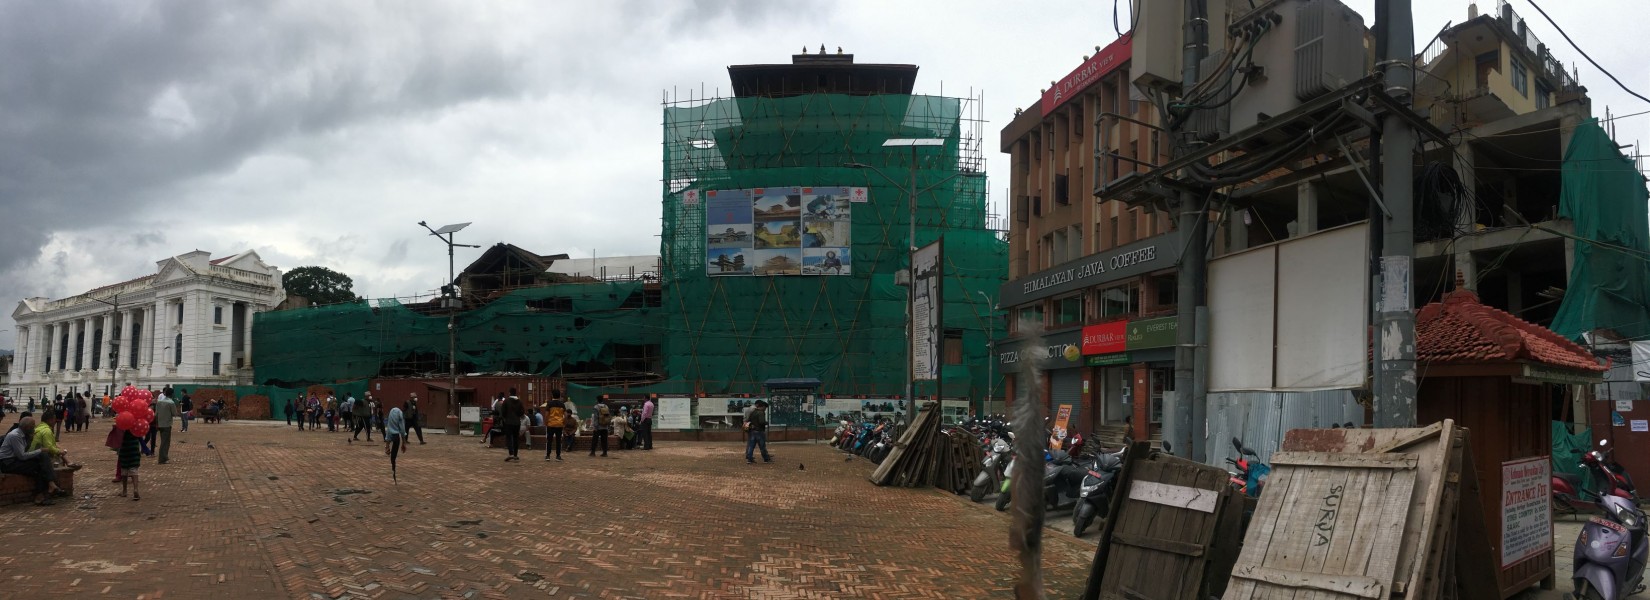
<point x="1105" y="338"/>
<point x="1102" y="63"/>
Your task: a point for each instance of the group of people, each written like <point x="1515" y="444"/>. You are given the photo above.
<point x="559" y="417"/>
<point x="30" y="447"/>
<point x="352" y="416"/>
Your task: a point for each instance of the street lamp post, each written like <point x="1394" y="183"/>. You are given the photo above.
<point x="911" y="263"/>
<point x="990" y="356"/>
<point x="114" y="344"/>
<point x="449" y="300"/>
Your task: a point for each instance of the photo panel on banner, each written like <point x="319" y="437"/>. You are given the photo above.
<point x="729" y="231"/>
<point x="780" y="231"/>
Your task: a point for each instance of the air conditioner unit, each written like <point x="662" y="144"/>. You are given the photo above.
<point x="1315" y="47"/>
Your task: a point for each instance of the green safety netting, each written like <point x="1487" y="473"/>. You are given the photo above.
<point x="534" y="330"/>
<point x="1567" y="450"/>
<point x="1604" y="195"/>
<point x="724" y="334"/>
<point x="729" y="334"/>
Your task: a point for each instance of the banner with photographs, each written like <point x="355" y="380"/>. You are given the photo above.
<point x="928" y="326"/>
<point x="780" y="231"/>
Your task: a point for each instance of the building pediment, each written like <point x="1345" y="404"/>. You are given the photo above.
<point x="173" y="269"/>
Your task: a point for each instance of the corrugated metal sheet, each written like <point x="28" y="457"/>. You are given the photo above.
<point x="1261" y="418"/>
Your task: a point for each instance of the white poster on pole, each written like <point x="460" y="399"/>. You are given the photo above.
<point x="1526" y="510"/>
<point x="927" y="325"/>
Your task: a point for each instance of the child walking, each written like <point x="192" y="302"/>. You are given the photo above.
<point x="129" y="457"/>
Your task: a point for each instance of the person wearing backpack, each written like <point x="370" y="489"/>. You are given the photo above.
<point x="555" y="419"/>
<point x="600" y="425"/>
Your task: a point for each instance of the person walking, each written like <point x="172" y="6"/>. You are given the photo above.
<point x="346" y="413"/>
<point x="555" y="418"/>
<point x="68" y="416"/>
<point x="186" y="411"/>
<point x="414" y="422"/>
<point x="314" y="413"/>
<point x="644" y="430"/>
<point x="329" y="409"/>
<point x="757" y="427"/>
<point x="511" y="412"/>
<point x="165" y="411"/>
<point x="395" y="435"/>
<point x="361" y="415"/>
<point x="621" y="429"/>
<point x="600" y="425"/>
<point x="289" y="411"/>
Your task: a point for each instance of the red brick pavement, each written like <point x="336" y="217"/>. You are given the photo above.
<point x="268" y="513"/>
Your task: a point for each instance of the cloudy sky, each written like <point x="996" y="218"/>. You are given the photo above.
<point x="321" y="132"/>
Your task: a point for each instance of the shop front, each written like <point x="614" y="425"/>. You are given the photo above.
<point x="1132" y="365"/>
<point x="1050" y="371"/>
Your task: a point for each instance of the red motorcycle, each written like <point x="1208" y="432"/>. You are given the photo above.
<point x="1568" y="495"/>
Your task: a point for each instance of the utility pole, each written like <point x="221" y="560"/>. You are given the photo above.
<point x="1179" y="427"/>
<point x="449" y="300"/>
<point x="1395" y="379"/>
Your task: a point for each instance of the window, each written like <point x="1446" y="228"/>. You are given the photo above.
<point x="1075" y="239"/>
<point x="953" y="347"/>
<point x="1543" y="96"/>
<point x="1116" y="234"/>
<point x="1134" y="153"/>
<point x="1520" y="78"/>
<point x="1162" y="380"/>
<point x="1062" y="189"/>
<point x="1167" y="290"/>
<point x="1068" y="310"/>
<point x="1131" y="222"/>
<point x="1487" y="62"/>
<point x="217" y="362"/>
<point x="180" y="313"/>
<point x="217" y="315"/>
<point x="1037" y="205"/>
<point x="1031" y="318"/>
<point x="177" y="350"/>
<point x="1120" y="300"/>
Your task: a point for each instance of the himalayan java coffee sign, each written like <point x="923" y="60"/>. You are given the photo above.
<point x="1145" y="256"/>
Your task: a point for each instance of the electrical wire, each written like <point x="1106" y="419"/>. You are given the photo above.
<point x="1573" y="44"/>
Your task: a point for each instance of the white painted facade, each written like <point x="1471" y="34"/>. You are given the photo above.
<point x="189" y="324"/>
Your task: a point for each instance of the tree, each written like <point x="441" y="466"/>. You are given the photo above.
<point x="320" y="285"/>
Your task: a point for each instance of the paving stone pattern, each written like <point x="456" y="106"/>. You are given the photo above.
<point x="269" y="512"/>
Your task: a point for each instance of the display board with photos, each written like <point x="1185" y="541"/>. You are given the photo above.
<point x="780" y="231"/>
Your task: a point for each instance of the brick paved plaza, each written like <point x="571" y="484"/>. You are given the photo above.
<point x="272" y="513"/>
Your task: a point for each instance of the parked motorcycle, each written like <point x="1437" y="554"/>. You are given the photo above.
<point x="1611" y="550"/>
<point x="993" y="474"/>
<point x="1249" y="476"/>
<point x="1099" y="479"/>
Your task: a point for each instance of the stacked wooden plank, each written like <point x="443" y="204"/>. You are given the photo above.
<point x="928" y="455"/>
<point x="1367" y="513"/>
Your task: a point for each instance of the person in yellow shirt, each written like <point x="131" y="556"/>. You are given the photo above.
<point x="44" y="439"/>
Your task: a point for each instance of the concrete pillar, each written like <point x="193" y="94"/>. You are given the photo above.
<point x="20" y="362"/>
<point x="1306" y="209"/>
<point x="51" y="349"/>
<point x="246" y="349"/>
<point x="157" y="347"/>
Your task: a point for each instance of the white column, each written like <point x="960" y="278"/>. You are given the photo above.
<point x="51" y="347"/>
<point x="76" y="359"/>
<point x="246" y="349"/>
<point x="88" y="326"/>
<point x="101" y="353"/>
<point x="20" y="363"/>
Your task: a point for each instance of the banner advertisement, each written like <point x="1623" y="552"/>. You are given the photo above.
<point x="1526" y="509"/>
<point x="780" y="231"/>
<point x="1061" y="420"/>
<point x="675" y="413"/>
<point x="927" y="325"/>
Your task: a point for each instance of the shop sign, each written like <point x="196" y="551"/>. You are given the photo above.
<point x="1558" y="376"/>
<point x="1104" y="338"/>
<point x="1120" y="358"/>
<point x="1139" y="258"/>
<point x="1526" y="512"/>
<point x="1153" y="333"/>
<point x="1087" y="74"/>
<point x="1053" y="352"/>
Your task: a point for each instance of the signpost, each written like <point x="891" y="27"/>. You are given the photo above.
<point x="1526" y="512"/>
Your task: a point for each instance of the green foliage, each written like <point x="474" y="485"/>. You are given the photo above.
<point x="320" y="285"/>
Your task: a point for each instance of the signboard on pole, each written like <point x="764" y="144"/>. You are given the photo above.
<point x="1062" y="419"/>
<point x="1526" y="509"/>
<point x="927" y="324"/>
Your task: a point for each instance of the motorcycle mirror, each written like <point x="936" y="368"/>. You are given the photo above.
<point x="1249" y="451"/>
<point x="1237" y="444"/>
<point x="1168" y="447"/>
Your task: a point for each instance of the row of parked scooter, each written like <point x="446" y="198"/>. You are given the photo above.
<point x="1075" y="476"/>
<point x="1611" y="550"/>
<point x="872" y="440"/>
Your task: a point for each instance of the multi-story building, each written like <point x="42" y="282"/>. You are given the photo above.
<point x="1091" y="290"/>
<point x="190" y="324"/>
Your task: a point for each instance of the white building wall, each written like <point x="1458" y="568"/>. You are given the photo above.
<point x="152" y="304"/>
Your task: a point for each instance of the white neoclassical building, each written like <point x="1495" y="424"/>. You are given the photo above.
<point x="188" y="324"/>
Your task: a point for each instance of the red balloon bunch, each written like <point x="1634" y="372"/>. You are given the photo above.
<point x="132" y="411"/>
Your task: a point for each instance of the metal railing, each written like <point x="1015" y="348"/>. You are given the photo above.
<point x="1551" y="67"/>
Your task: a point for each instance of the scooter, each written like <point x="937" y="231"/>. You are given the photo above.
<point x="993" y="474"/>
<point x="1249" y="477"/>
<point x="1063" y="479"/>
<point x="1611" y="550"/>
<point x="1099" y="479"/>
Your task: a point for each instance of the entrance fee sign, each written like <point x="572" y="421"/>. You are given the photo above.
<point x="1526" y="512"/>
